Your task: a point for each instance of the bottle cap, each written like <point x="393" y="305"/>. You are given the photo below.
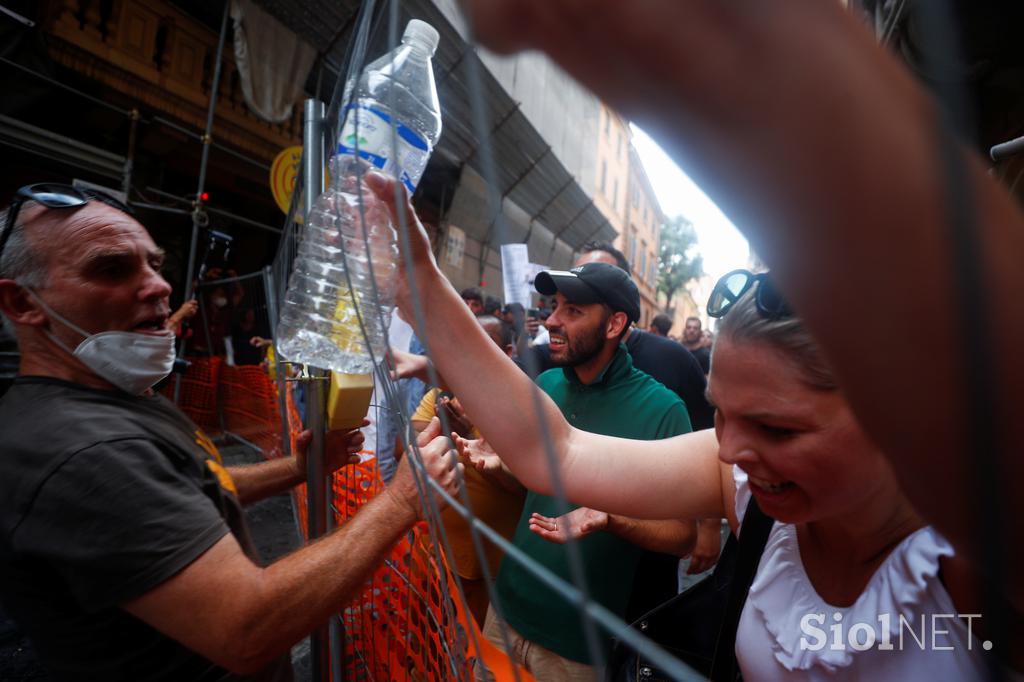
<point x="423" y="33"/>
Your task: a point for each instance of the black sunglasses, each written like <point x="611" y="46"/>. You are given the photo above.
<point x="54" y="195"/>
<point x="735" y="284"/>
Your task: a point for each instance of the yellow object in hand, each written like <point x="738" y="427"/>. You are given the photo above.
<point x="348" y="400"/>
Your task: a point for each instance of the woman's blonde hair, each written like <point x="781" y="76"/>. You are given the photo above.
<point x="744" y="322"/>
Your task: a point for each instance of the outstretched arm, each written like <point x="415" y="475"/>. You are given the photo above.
<point x="254" y="482"/>
<point x="643" y="479"/>
<point x="187" y="311"/>
<point x="666" y="537"/>
<point x="478" y="454"/>
<point x="829" y="157"/>
<point x="242" y="616"/>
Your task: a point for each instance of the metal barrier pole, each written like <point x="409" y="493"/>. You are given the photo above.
<point x="317" y="483"/>
<point x="279" y="367"/>
<point x="198" y="216"/>
<point x="316" y="505"/>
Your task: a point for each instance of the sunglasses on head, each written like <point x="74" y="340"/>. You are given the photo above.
<point x="735" y="284"/>
<point x="53" y="195"/>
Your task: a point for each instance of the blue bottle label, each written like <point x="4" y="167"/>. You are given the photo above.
<point x="370" y="128"/>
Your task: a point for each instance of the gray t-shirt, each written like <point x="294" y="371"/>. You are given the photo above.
<point x="104" y="496"/>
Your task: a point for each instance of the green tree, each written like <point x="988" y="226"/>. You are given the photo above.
<point x="678" y="261"/>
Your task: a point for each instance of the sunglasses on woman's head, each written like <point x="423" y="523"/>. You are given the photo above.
<point x="732" y="286"/>
<point x="53" y="195"/>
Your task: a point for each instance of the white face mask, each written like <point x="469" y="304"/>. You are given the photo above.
<point x="129" y="360"/>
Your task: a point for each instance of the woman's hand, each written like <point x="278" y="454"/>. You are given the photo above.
<point x="579" y="523"/>
<point x="393" y="195"/>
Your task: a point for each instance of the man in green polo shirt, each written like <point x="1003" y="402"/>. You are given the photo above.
<point x="598" y="389"/>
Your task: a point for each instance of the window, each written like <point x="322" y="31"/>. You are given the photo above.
<point x="615" y="194"/>
<point x="645" y="213"/>
<point x="604" y="175"/>
<point x="643" y="260"/>
<point x="607" y="122"/>
<point x="636" y="197"/>
<point x="632" y="248"/>
<point x="618" y="146"/>
<point x="653" y="278"/>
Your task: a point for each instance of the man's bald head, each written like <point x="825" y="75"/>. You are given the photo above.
<point x="42" y="237"/>
<point x="499" y="332"/>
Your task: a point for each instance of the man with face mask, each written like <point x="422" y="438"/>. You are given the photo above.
<point x="124" y="552"/>
<point x="598" y="389"/>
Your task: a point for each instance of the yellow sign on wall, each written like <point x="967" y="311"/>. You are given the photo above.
<point x="283" y="173"/>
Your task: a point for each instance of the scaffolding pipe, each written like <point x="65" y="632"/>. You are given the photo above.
<point x="198" y="217"/>
<point x="193" y="134"/>
<point x="129" y="159"/>
<point x="133" y="112"/>
<point x="53" y="81"/>
<point x="22" y="135"/>
<point x="159" y="207"/>
<point x="217" y="211"/>
<point x="317" y="481"/>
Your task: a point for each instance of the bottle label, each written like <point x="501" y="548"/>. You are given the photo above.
<point x="370" y="127"/>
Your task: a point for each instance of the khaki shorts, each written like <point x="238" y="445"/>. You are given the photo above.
<point x="543" y="664"/>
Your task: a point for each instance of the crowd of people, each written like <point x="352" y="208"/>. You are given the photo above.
<point x="604" y="452"/>
<point x="847" y="544"/>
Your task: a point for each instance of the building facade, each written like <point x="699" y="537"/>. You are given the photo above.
<point x="624" y="194"/>
<point x="145" y="69"/>
<point x="641" y="241"/>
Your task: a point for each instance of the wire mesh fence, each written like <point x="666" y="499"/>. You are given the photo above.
<point x="414" y="618"/>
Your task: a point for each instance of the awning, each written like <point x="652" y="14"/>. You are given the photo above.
<point x="527" y="172"/>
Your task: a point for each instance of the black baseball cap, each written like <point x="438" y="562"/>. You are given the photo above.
<point x="593" y="283"/>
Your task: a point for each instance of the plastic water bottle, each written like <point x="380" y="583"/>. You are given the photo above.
<point x="395" y="98"/>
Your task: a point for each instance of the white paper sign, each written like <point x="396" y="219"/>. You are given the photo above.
<point x="455" y="247"/>
<point x="516" y="274"/>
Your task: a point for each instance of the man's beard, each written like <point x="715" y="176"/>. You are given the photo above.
<point x="579" y="349"/>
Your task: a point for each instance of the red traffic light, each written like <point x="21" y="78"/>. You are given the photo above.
<point x="204" y="197"/>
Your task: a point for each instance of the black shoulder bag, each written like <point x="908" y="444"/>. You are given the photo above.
<point x="699" y="625"/>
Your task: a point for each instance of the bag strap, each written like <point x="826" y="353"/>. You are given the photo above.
<point x="753" y="537"/>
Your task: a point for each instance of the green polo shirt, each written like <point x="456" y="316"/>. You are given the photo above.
<point x="623" y="402"/>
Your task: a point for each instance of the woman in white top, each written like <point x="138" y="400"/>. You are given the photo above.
<point x="848" y="555"/>
<point x="848" y="550"/>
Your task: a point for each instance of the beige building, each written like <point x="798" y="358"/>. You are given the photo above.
<point x="611" y="176"/>
<point x="624" y="194"/>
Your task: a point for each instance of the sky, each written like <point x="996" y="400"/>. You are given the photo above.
<point x="721" y="244"/>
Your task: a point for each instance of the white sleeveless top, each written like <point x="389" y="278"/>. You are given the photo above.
<point x="788" y="632"/>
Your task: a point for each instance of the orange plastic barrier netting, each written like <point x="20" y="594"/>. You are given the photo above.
<point x="241" y="400"/>
<point x="400" y="627"/>
<point x="198" y="395"/>
<point x="249" y="405"/>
